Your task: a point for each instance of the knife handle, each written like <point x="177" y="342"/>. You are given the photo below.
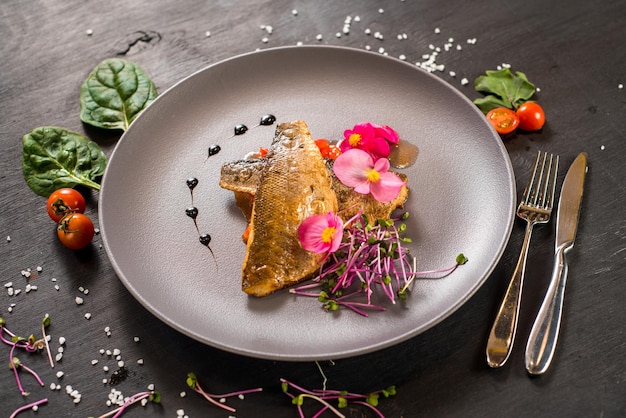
<point x="545" y="331"/>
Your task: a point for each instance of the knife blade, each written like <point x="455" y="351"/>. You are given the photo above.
<point x="544" y="334"/>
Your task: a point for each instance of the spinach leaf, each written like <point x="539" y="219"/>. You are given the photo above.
<point x="54" y="157"/>
<point x="114" y="93"/>
<point x="503" y="89"/>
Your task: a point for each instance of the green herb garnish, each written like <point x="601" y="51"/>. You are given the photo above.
<point x="114" y="94"/>
<point x="54" y="157"/>
<point x="502" y="88"/>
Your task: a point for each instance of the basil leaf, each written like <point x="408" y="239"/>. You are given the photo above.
<point x="485" y="104"/>
<point x="114" y="93"/>
<point x="510" y="90"/>
<point x="54" y="157"/>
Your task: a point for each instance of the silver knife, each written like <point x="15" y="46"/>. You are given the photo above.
<point x="543" y="336"/>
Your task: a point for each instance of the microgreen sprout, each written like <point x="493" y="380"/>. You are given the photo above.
<point x="27" y="407"/>
<point x="44" y="324"/>
<point x="371" y="258"/>
<point x="30" y="344"/>
<point x="152" y="396"/>
<point x="192" y="382"/>
<point x="342" y="398"/>
<point x="16" y="364"/>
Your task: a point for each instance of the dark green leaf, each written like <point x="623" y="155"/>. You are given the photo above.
<point x="54" y="157"/>
<point x="114" y="94"/>
<point x="510" y="90"/>
<point x="485" y="104"/>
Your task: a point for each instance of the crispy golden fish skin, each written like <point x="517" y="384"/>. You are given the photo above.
<point x="294" y="185"/>
<point x="244" y="176"/>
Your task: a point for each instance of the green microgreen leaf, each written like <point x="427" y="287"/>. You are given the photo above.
<point x="46" y="320"/>
<point x="372" y="399"/>
<point x="191" y="380"/>
<point x="114" y="94"/>
<point x="155" y="397"/>
<point x="461" y="259"/>
<point x="502" y="88"/>
<point x="54" y="157"/>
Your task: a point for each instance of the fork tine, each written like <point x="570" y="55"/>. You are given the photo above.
<point x="531" y="185"/>
<point x="552" y="181"/>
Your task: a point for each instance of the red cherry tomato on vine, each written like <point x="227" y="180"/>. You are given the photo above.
<point x="75" y="231"/>
<point x="63" y="201"/>
<point x="504" y="120"/>
<point x="531" y="116"/>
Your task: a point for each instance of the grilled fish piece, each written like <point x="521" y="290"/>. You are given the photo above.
<point x="244" y="176"/>
<point x="293" y="185"/>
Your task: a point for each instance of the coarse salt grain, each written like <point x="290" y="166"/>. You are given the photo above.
<point x="8" y="238"/>
<point x="94" y="362"/>
<point x="89" y="32"/>
<point x="136" y="339"/>
<point x="464" y="81"/>
<point x="140" y="361"/>
<point x="61" y="340"/>
<point x="620" y="86"/>
<point x="294" y="12"/>
<point x="59" y="356"/>
<point x="59" y="374"/>
<point x="79" y="300"/>
<point x="116" y="351"/>
<point x="105" y="368"/>
<point x="87" y="316"/>
<point x="183" y="394"/>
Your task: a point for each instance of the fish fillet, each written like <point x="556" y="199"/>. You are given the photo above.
<point x="293" y="185"/>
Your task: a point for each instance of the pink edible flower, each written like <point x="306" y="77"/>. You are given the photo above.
<point x="387" y="133"/>
<point x="356" y="168"/>
<point x="363" y="136"/>
<point x="321" y="233"/>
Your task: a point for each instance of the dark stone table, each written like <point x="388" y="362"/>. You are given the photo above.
<point x="573" y="51"/>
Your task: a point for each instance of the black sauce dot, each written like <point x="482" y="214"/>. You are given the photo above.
<point x="205" y="239"/>
<point x="268" y="120"/>
<point x="118" y="376"/>
<point x="240" y="129"/>
<point x="192" y="212"/>
<point x="214" y="149"/>
<point x="192" y="183"/>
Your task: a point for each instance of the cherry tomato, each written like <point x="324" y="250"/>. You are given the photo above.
<point x="531" y="116"/>
<point x="63" y="201"/>
<point x="503" y="120"/>
<point x="75" y="231"/>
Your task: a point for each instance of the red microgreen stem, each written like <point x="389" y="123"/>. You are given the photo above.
<point x="14" y="368"/>
<point x="27" y="407"/>
<point x="193" y="383"/>
<point x="117" y="412"/>
<point x="371" y="260"/>
<point x="343" y="398"/>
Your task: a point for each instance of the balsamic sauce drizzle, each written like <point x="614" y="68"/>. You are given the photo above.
<point x="192" y="182"/>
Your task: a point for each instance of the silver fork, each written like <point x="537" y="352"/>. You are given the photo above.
<point x="535" y="208"/>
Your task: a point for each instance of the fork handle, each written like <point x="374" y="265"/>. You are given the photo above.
<point x="504" y="327"/>
<point x="545" y="331"/>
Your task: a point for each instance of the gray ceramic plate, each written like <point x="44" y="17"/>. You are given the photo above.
<point x="462" y="197"/>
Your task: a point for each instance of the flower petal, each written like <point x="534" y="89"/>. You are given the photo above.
<point x="351" y="167"/>
<point x="387" y="188"/>
<point x="387" y="133"/>
<point x="311" y="231"/>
